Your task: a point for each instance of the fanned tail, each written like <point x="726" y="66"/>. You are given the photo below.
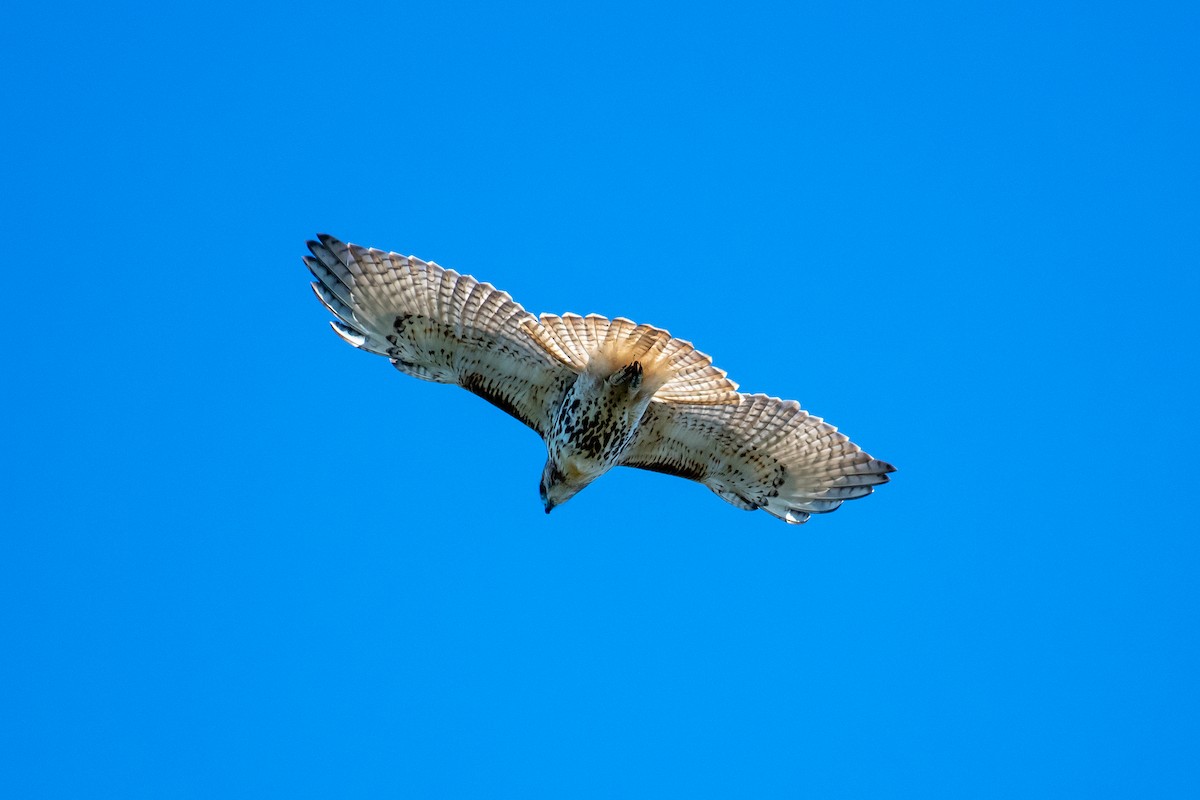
<point x="672" y="368"/>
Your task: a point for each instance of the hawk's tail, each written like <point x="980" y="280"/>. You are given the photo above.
<point x="675" y="370"/>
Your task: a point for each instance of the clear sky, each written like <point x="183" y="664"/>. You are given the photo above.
<point x="242" y="559"/>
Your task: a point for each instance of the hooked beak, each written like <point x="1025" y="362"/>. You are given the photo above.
<point x="549" y="506"/>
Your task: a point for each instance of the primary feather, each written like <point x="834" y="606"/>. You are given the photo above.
<point x="600" y="392"/>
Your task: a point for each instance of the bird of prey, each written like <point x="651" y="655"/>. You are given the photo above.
<point x="601" y="393"/>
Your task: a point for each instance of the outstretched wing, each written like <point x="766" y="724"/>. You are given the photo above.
<point x="440" y="326"/>
<point x="761" y="452"/>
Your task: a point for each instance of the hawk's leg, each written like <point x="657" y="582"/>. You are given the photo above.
<point x="630" y="376"/>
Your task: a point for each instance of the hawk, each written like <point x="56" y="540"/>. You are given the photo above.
<point x="601" y="393"/>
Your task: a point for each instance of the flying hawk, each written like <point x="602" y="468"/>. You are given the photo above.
<point x="601" y="393"/>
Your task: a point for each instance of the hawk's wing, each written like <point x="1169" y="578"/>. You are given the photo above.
<point x="761" y="452"/>
<point x="437" y="325"/>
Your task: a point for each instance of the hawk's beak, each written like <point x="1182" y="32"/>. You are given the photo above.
<point x="549" y="506"/>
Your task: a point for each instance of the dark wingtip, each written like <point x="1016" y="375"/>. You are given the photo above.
<point x="882" y="467"/>
<point x="330" y="242"/>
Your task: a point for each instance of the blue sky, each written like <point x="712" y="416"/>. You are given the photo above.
<point x="242" y="559"/>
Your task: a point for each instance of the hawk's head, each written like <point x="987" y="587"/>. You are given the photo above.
<point x="561" y="482"/>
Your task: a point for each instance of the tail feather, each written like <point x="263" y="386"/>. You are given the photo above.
<point x="675" y="370"/>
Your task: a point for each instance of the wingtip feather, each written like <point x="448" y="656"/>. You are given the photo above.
<point x="348" y="334"/>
